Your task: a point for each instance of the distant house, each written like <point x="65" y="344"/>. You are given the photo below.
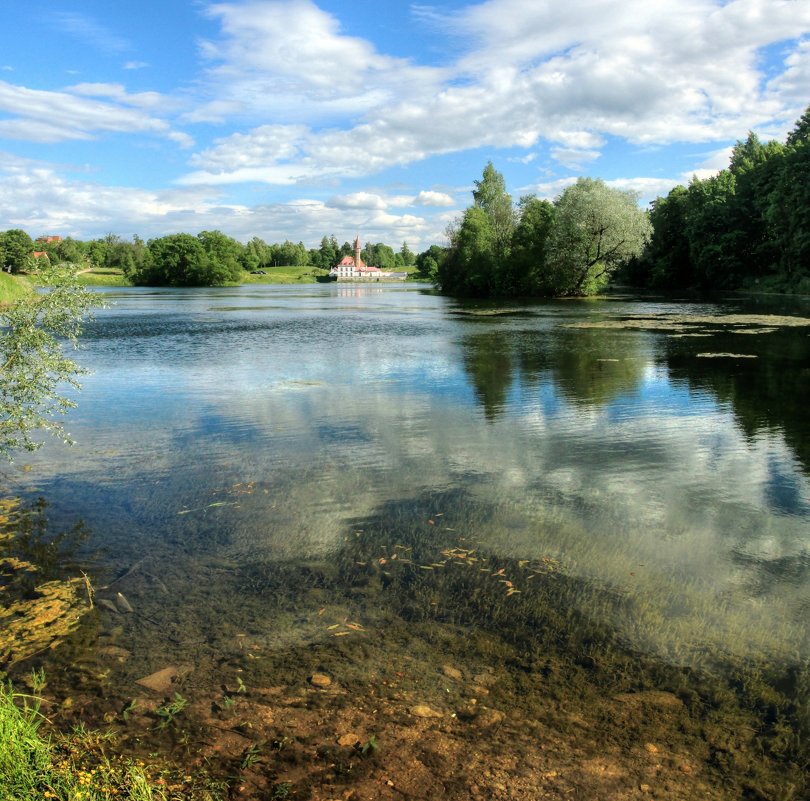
<point x="47" y="240"/>
<point x="353" y="268"/>
<point x="40" y="254"/>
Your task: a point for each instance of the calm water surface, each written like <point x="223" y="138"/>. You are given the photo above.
<point x="237" y="433"/>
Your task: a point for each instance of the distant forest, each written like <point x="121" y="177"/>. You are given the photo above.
<point x="748" y="227"/>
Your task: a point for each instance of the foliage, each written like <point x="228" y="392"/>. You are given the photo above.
<point x="379" y="255"/>
<point x="470" y="264"/>
<point x="523" y="273"/>
<point x="223" y="251"/>
<point x="596" y="229"/>
<point x="428" y="262"/>
<point x="179" y="260"/>
<point x="34" y="365"/>
<point x="129" y="257"/>
<point x="747" y="225"/>
<point x="570" y="247"/>
<point x="16" y="247"/>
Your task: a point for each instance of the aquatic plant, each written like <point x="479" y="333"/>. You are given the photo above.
<point x="168" y="711"/>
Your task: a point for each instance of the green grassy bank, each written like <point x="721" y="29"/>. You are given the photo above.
<point x="38" y="766"/>
<point x="13" y="287"/>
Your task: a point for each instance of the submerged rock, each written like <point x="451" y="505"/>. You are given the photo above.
<point x="320" y="680"/>
<point x="161" y="681"/>
<point x="424" y="711"/>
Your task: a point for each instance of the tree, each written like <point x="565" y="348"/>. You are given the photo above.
<point x="408" y="257"/>
<point x="596" y="229"/>
<point x="34" y="367"/>
<point x="379" y="255"/>
<point x="255" y="254"/>
<point x="427" y="262"/>
<point x="224" y="254"/>
<point x="469" y="266"/>
<point x="789" y="207"/>
<point x="521" y="274"/>
<point x="479" y="244"/>
<point x="666" y="262"/>
<point x="490" y="195"/>
<point x="16" y="248"/>
<point x="177" y="260"/>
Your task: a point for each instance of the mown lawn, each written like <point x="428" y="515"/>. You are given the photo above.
<point x="286" y="275"/>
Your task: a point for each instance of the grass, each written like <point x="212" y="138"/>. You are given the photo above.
<point x="13" y="287"/>
<point x="286" y="275"/>
<point x="102" y="276"/>
<point x="76" y="766"/>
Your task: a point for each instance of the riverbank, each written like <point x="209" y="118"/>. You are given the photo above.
<point x="272" y="275"/>
<point x="13" y="287"/>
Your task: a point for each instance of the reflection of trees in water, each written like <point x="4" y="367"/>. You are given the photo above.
<point x="488" y="360"/>
<point x="591" y="368"/>
<point x="587" y="367"/>
<point x="766" y="394"/>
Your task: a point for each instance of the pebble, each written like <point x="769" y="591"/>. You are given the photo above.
<point x="452" y="672"/>
<point x="424" y="711"/>
<point x="348" y="739"/>
<point x="320" y="680"/>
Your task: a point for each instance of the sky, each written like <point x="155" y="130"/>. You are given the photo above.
<point x="295" y="119"/>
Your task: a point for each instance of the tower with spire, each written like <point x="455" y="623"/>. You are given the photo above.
<point x="358" y="262"/>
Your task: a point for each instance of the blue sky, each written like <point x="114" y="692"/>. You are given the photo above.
<point x="302" y="118"/>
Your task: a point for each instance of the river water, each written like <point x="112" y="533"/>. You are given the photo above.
<point x="260" y="455"/>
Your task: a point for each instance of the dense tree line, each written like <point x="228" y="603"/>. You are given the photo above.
<point x="746" y="227"/>
<point x="569" y="247"/>
<point x="210" y="258"/>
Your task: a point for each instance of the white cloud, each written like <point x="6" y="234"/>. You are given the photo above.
<point x="358" y="200"/>
<point x="41" y="198"/>
<point x="574" y="159"/>
<point x="290" y="58"/>
<point x="676" y="70"/>
<point x="430" y="198"/>
<point x="50" y="116"/>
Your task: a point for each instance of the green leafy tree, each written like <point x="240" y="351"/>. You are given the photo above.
<point x="129" y="257"/>
<point x="408" y="256"/>
<point x="256" y="254"/>
<point x="178" y="260"/>
<point x="521" y="274"/>
<point x="66" y="251"/>
<point x="480" y="243"/>
<point x="35" y="369"/>
<point x="469" y="266"/>
<point x="224" y="255"/>
<point x="490" y="195"/>
<point x="666" y="261"/>
<point x="596" y="230"/>
<point x="789" y="208"/>
<point x="379" y="255"/>
<point x="16" y="247"/>
<point x="427" y="262"/>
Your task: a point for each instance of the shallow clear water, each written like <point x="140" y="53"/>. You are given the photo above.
<point x="236" y="431"/>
